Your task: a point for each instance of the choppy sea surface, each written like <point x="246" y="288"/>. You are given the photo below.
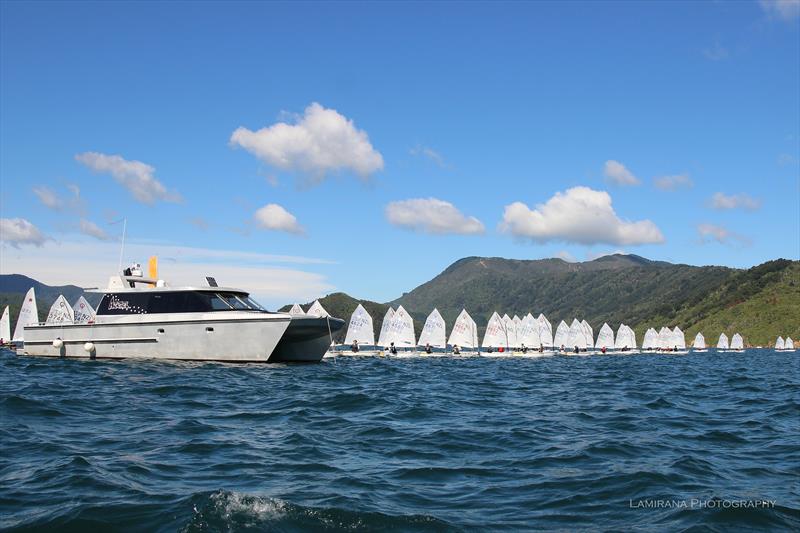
<point x="651" y="442"/>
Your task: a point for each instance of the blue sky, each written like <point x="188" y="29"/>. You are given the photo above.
<point x="670" y="130"/>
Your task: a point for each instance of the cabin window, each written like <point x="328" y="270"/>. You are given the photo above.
<point x="139" y="303"/>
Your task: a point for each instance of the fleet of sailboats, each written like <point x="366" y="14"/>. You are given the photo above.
<point x="504" y="335"/>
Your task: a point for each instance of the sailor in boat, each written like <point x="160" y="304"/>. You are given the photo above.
<point x="563" y="349"/>
<point x="428" y="348"/>
<point x="354" y="346"/>
<point x="489" y="350"/>
<point x="392" y="349"/>
<point x="456" y="350"/>
<point x="524" y="348"/>
<point x="603" y="349"/>
<point x="577" y="350"/>
<point x="541" y="348"/>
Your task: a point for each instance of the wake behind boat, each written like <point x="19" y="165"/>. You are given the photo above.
<point x="144" y="318"/>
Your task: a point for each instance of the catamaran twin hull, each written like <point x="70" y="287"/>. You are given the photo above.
<point x="245" y="337"/>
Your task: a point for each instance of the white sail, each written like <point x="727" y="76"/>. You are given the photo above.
<point x="699" y="342"/>
<point x="650" y="340"/>
<point x="737" y="343"/>
<point x="678" y="339"/>
<point x="622" y="340"/>
<point x="517" y="326"/>
<point x="5" y="326"/>
<point x="631" y="337"/>
<point x="433" y="331"/>
<point x="789" y="344"/>
<point x="84" y="312"/>
<point x="588" y="333"/>
<point x="665" y="339"/>
<point x="528" y="332"/>
<point x="779" y="344"/>
<point x="317" y="310"/>
<point x="577" y="336"/>
<point x="28" y="314"/>
<point x="401" y="329"/>
<point x="544" y="322"/>
<point x="605" y="338"/>
<point x="511" y="332"/>
<point x="722" y="344"/>
<point x="60" y="312"/>
<point x="296" y="310"/>
<point x="464" y="333"/>
<point x="360" y="328"/>
<point x="495" y="335"/>
<point x="383" y="336"/>
<point x="562" y="335"/>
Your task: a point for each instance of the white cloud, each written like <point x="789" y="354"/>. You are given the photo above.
<point x="720" y="234"/>
<point x="88" y="263"/>
<point x="716" y="52"/>
<point x="431" y="215"/>
<point x="782" y="9"/>
<point x="580" y="215"/>
<point x="276" y="218"/>
<point x="430" y="153"/>
<point x="321" y="141"/>
<point x="617" y="174"/>
<point x="18" y="231"/>
<point x="735" y="201"/>
<point x="93" y="230"/>
<point x="74" y="189"/>
<point x="48" y="198"/>
<point x="566" y="256"/>
<point x="672" y="183"/>
<point x="135" y="176"/>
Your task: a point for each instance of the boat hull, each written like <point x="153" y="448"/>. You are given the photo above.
<point x="208" y="337"/>
<point x="307" y="339"/>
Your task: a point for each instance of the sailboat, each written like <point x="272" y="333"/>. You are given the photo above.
<point x="576" y="341"/>
<point x="562" y="336"/>
<point x="588" y="334"/>
<point x="464" y="333"/>
<point x="83" y="311"/>
<point x="296" y="310"/>
<point x="699" y="344"/>
<point x="317" y="310"/>
<point x="511" y="334"/>
<point x="383" y="336"/>
<point x="359" y="330"/>
<point x="626" y="340"/>
<point x="60" y="312"/>
<point x="605" y="338"/>
<point x="528" y="335"/>
<point x="650" y="341"/>
<point x="400" y="331"/>
<point x="779" y="344"/>
<point x="789" y="345"/>
<point x="5" y="328"/>
<point x="494" y="337"/>
<point x="678" y="341"/>
<point x="433" y="332"/>
<point x="722" y="344"/>
<point x="28" y="314"/>
<point x="545" y="332"/>
<point x="737" y="343"/>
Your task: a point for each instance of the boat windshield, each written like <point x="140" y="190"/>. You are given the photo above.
<point x="239" y="302"/>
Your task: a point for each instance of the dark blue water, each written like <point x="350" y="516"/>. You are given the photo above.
<point x="588" y="443"/>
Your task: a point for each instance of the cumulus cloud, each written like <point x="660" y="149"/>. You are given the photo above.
<point x="276" y="218"/>
<point x="673" y="183"/>
<point x="713" y="233"/>
<point x="735" y="201"/>
<point x="320" y="141"/>
<point x="781" y="9"/>
<point x="135" y="176"/>
<point x="431" y="215"/>
<point x="617" y="174"/>
<point x="18" y="231"/>
<point x="580" y="215"/>
<point x="430" y="153"/>
<point x="93" y="230"/>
